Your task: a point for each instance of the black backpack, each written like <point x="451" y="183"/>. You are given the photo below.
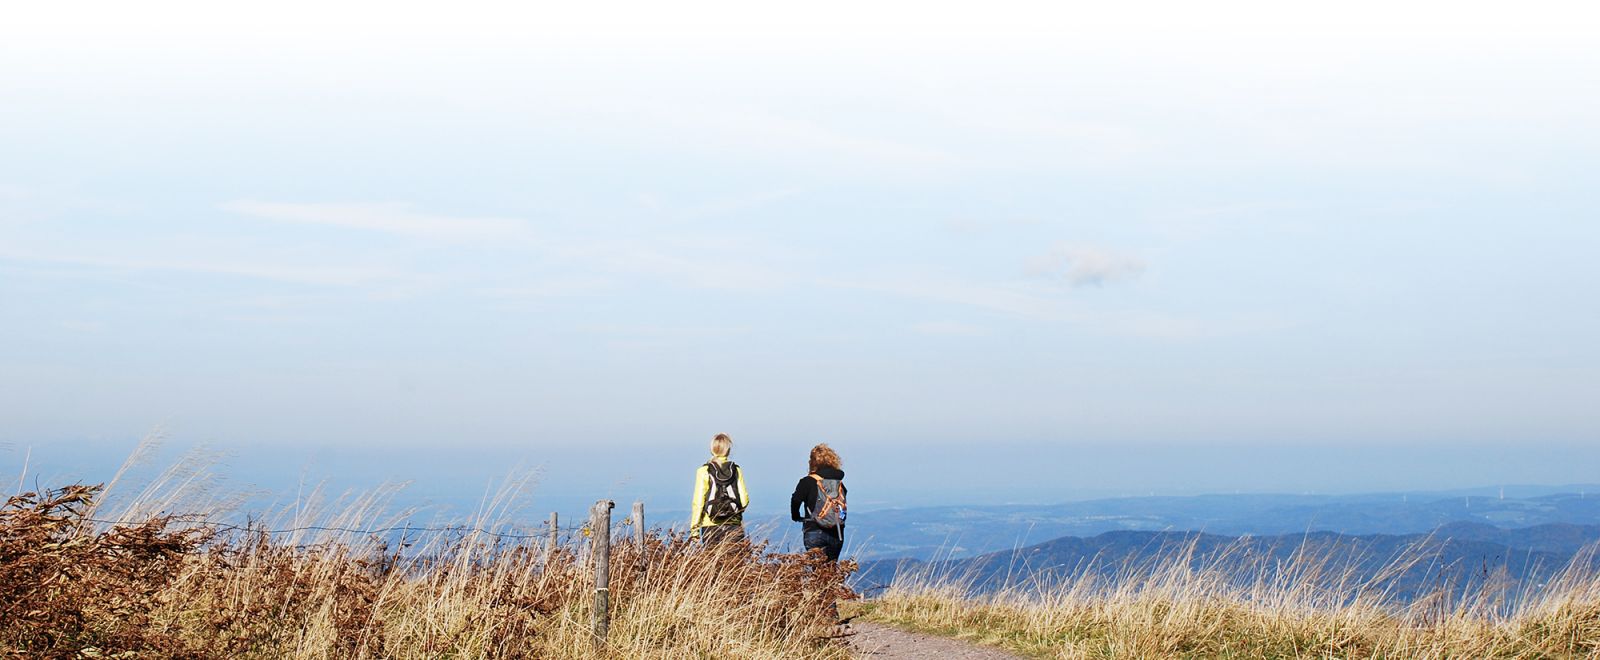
<point x="722" y="497"/>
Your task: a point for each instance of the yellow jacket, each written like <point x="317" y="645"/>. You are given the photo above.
<point x="702" y="484"/>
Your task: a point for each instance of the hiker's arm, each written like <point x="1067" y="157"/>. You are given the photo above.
<point x="698" y="501"/>
<point x="797" y="499"/>
<point x="744" y="495"/>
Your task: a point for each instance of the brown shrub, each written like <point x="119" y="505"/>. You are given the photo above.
<point x="67" y="590"/>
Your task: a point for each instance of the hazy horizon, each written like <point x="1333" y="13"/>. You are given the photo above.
<point x="569" y="479"/>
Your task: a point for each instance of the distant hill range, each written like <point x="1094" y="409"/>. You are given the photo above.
<point x="1454" y="558"/>
<point x="956" y="532"/>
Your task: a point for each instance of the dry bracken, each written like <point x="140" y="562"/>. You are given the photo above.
<point x="162" y="588"/>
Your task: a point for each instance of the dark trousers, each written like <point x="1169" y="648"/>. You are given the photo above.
<point x="721" y="534"/>
<point x="830" y="544"/>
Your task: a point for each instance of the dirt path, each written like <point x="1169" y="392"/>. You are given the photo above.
<point x="877" y="642"/>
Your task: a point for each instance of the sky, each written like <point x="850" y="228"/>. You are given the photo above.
<point x="1042" y="234"/>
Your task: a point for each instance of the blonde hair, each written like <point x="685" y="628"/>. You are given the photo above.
<point x="721" y="444"/>
<point x="824" y="456"/>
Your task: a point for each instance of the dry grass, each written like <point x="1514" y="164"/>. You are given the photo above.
<point x="161" y="588"/>
<point x="1176" y="608"/>
<point x="165" y="588"/>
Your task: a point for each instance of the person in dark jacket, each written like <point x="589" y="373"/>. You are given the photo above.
<point x="804" y="505"/>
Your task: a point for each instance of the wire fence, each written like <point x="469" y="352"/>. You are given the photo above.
<point x="404" y="530"/>
<point x="405" y="533"/>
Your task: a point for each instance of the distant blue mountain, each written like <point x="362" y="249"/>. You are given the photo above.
<point x="1456" y="558"/>
<point x="967" y="531"/>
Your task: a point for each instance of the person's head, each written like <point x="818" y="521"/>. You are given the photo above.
<point x="823" y="456"/>
<point x="721" y="445"/>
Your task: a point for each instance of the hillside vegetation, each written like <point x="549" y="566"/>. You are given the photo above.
<point x="162" y="588"/>
<point x="1186" y="606"/>
<point x="165" y="587"/>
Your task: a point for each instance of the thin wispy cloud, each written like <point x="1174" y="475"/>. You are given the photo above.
<point x="700" y="267"/>
<point x="949" y="329"/>
<point x="1038" y="305"/>
<point x="981" y="225"/>
<point x="392" y="218"/>
<point x="1085" y="265"/>
<point x="694" y="264"/>
<point x="737" y="203"/>
<point x="1099" y="143"/>
<point x="666" y="331"/>
<point x="992" y="298"/>
<point x="757" y="134"/>
<point x="288" y="273"/>
<point x="559" y="287"/>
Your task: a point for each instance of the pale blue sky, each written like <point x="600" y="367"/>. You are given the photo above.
<point x="375" y="226"/>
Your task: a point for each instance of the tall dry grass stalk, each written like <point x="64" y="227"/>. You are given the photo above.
<point x="1233" y="605"/>
<point x="171" y="589"/>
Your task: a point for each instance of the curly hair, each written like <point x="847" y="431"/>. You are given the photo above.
<point x="824" y="456"/>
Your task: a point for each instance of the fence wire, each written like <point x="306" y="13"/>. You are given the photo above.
<point x="403" y="530"/>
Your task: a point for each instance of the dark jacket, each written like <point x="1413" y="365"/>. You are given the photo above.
<point x="805" y="493"/>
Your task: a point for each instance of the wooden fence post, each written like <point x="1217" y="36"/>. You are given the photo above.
<point x="600" y="525"/>
<point x="555" y="537"/>
<point x="638" y="525"/>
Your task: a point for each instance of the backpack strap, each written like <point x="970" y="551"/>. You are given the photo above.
<point x="711" y="486"/>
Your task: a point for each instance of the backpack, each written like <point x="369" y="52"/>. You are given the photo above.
<point x="829" y="509"/>
<point x="722" y="493"/>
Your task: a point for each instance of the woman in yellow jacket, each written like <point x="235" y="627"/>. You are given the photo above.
<point x="720" y="498"/>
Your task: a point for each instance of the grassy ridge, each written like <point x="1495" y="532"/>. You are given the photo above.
<point x="72" y="588"/>
<point x="69" y="589"/>
<point x="1174" y="609"/>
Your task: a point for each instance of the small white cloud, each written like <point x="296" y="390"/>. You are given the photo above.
<point x="1082" y="265"/>
<point x="390" y="217"/>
